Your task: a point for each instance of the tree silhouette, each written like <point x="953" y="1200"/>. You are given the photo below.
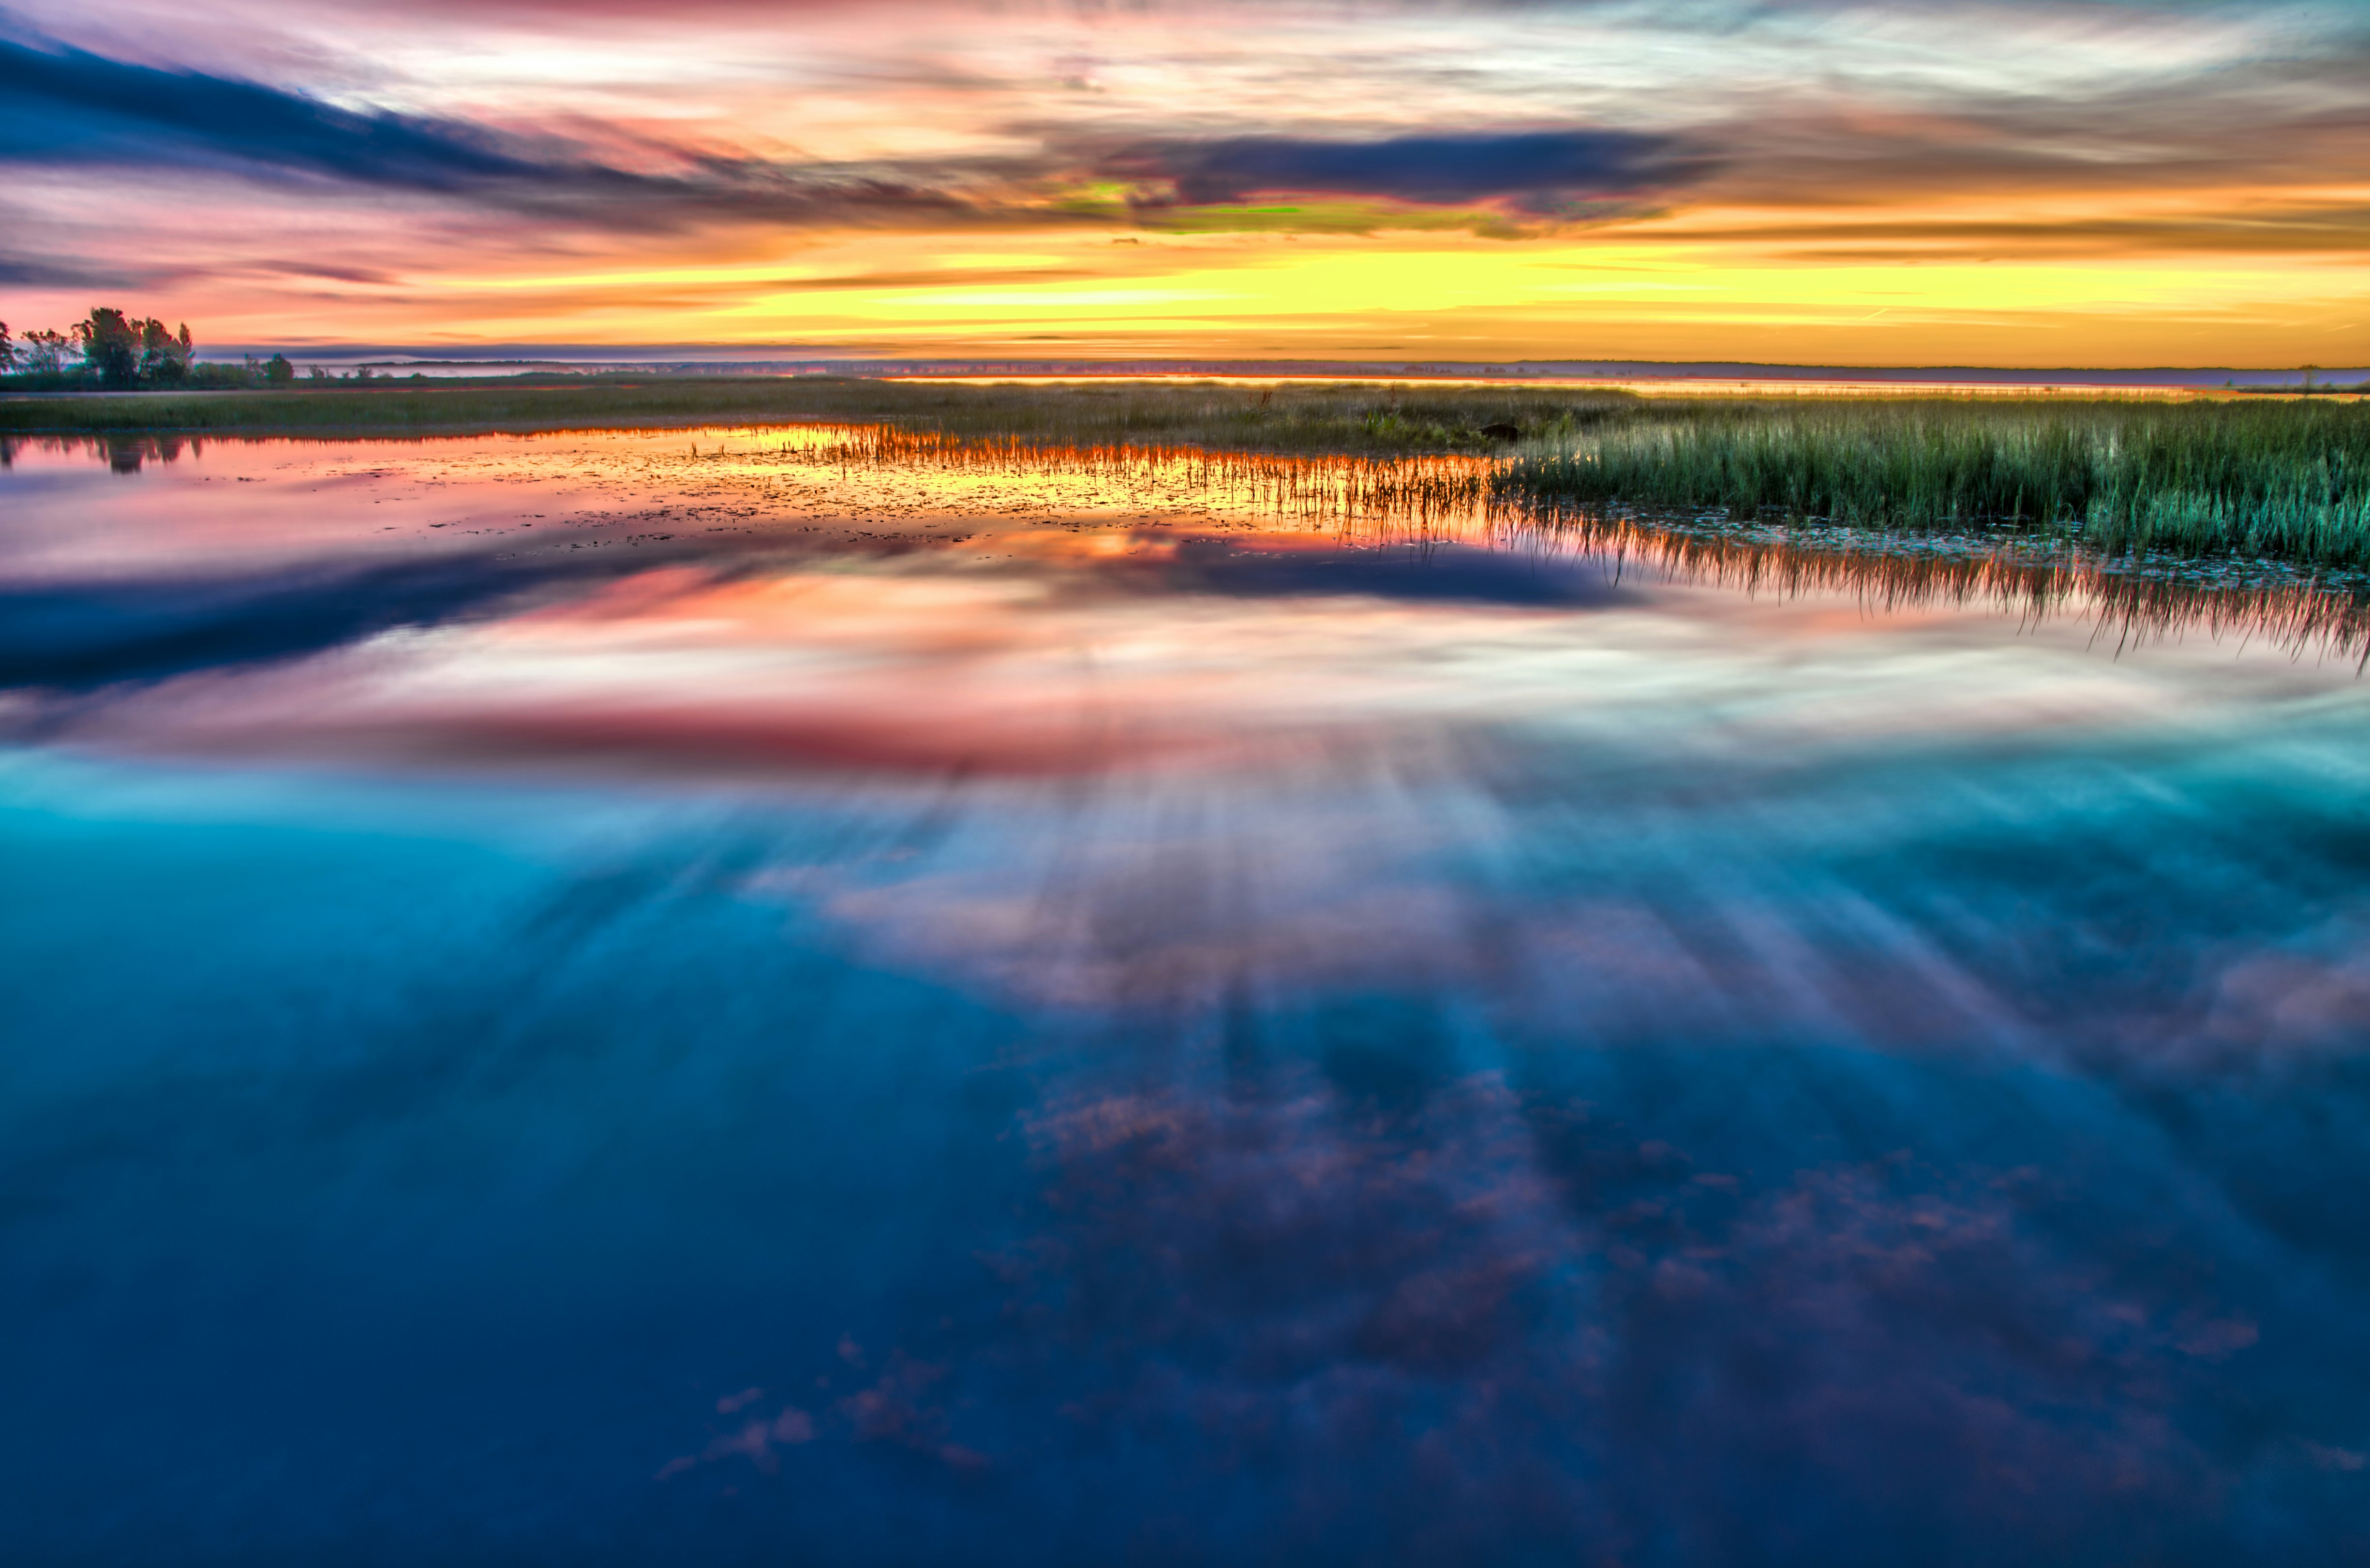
<point x="163" y="356"/>
<point x="119" y="350"/>
<point x="44" y="353"/>
<point x="127" y="352"/>
<point x="111" y="346"/>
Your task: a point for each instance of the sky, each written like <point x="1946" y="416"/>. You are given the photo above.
<point x="1795" y="181"/>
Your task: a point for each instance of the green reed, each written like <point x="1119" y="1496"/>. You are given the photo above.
<point x="2288" y="479"/>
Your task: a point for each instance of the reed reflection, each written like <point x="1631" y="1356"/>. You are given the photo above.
<point x="2300" y="611"/>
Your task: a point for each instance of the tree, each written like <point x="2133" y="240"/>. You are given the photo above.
<point x="111" y="346"/>
<point x="44" y="352"/>
<point x="7" y="348"/>
<point x="163" y="357"/>
<point x="278" y="371"/>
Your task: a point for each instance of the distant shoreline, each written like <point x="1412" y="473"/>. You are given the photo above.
<point x="696" y="360"/>
<point x="1163" y="407"/>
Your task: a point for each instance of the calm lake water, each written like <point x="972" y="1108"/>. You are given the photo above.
<point x="799" y="996"/>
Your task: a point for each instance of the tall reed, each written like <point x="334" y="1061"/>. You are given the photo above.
<point x="2286" y="479"/>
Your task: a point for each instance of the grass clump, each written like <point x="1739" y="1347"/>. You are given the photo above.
<point x="2288" y="480"/>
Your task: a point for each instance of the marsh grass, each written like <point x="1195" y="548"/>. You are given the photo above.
<point x="1416" y="491"/>
<point x="2287" y="480"/>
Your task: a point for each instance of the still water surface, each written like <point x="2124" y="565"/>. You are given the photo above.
<point x="803" y="995"/>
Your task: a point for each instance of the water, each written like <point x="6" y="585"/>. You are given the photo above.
<point x="722" y="997"/>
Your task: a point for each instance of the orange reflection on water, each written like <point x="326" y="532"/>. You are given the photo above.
<point x="116" y="505"/>
<point x="131" y="507"/>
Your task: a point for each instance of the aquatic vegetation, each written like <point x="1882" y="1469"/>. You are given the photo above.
<point x="2288" y="480"/>
<point x="1416" y="491"/>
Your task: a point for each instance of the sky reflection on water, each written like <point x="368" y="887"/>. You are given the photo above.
<point x="884" y="1006"/>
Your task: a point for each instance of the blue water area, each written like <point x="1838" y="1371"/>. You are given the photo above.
<point x="780" y="1051"/>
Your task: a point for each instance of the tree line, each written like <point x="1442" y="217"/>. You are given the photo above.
<point x="108" y="349"/>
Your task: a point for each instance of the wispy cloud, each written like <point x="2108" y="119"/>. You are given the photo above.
<point x="24" y="272"/>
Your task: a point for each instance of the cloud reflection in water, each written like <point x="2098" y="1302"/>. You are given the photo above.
<point x="1114" y="1032"/>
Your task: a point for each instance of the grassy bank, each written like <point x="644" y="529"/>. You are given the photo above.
<point x="1360" y="419"/>
<point x="2288" y="480"/>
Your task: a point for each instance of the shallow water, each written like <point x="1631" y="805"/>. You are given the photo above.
<point x="794" y="995"/>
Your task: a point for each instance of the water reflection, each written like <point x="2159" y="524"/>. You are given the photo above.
<point x="1372" y="512"/>
<point x="698" y="995"/>
<point x="125" y="454"/>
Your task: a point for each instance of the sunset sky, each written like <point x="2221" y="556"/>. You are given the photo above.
<point x="2148" y="183"/>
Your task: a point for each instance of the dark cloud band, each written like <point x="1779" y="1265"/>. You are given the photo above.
<point x="60" y="106"/>
<point x="1535" y="166"/>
